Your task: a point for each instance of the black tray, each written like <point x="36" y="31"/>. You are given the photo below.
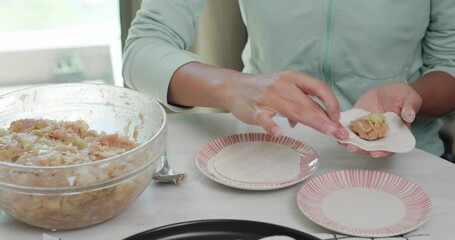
<point x="219" y="229"/>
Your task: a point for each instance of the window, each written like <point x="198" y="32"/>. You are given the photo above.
<point x="47" y="41"/>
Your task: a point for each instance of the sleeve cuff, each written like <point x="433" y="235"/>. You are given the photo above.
<point x="449" y="70"/>
<point x="150" y="68"/>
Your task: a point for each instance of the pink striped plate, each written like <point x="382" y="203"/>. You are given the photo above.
<point x="364" y="203"/>
<point x="308" y="160"/>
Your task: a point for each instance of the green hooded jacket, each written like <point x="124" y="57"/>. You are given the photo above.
<point x="352" y="45"/>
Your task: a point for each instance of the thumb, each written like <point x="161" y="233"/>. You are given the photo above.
<point x="411" y="104"/>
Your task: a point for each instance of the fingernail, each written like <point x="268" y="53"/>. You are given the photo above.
<point x="343" y="133"/>
<point x="276" y="131"/>
<point x="408" y="116"/>
<point x="292" y="124"/>
<point x="378" y="155"/>
<point x="351" y="148"/>
<point x="329" y="128"/>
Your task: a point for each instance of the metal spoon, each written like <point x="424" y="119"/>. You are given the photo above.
<point x="166" y="174"/>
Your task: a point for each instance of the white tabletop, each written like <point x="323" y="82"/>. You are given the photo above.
<point x="198" y="197"/>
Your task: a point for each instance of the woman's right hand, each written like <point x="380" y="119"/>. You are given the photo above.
<point x="256" y="98"/>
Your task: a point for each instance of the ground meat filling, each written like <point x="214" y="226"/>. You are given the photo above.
<point x="43" y="142"/>
<point x="371" y="127"/>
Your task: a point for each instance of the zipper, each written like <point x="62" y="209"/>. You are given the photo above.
<point x="328" y="45"/>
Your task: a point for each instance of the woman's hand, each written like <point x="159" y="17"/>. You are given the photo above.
<point x="399" y="98"/>
<point x="256" y="99"/>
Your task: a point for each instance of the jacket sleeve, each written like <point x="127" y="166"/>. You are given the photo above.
<point x="156" y="45"/>
<point x="439" y="41"/>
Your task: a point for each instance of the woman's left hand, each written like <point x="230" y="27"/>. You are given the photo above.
<point x="399" y="98"/>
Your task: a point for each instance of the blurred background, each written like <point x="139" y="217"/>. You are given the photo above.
<point x="45" y="41"/>
<point x="49" y="41"/>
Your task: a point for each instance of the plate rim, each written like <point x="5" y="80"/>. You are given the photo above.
<point x="367" y="232"/>
<point x="186" y="224"/>
<point x="210" y="149"/>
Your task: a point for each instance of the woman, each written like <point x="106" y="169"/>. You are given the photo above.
<point x="307" y="60"/>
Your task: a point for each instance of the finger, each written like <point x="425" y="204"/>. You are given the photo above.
<point x="342" y="133"/>
<point x="292" y="123"/>
<point x="407" y="112"/>
<point x="411" y="105"/>
<point x="375" y="154"/>
<point x="304" y="110"/>
<point x="322" y="91"/>
<point x="264" y="118"/>
<point x="307" y="112"/>
<point x="380" y="154"/>
<point x="355" y="149"/>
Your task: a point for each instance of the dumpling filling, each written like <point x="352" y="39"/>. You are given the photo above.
<point x="371" y="127"/>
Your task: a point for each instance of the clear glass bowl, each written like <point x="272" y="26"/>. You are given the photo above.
<point x="76" y="196"/>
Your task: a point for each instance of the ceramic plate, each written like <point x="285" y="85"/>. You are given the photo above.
<point x="257" y="161"/>
<point x="398" y="139"/>
<point x="364" y="203"/>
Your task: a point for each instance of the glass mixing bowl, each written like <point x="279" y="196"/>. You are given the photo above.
<point x="81" y="195"/>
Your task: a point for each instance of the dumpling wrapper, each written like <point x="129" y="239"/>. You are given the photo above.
<point x="257" y="162"/>
<point x="398" y="138"/>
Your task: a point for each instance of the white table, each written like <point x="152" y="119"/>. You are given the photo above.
<point x="198" y="197"/>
